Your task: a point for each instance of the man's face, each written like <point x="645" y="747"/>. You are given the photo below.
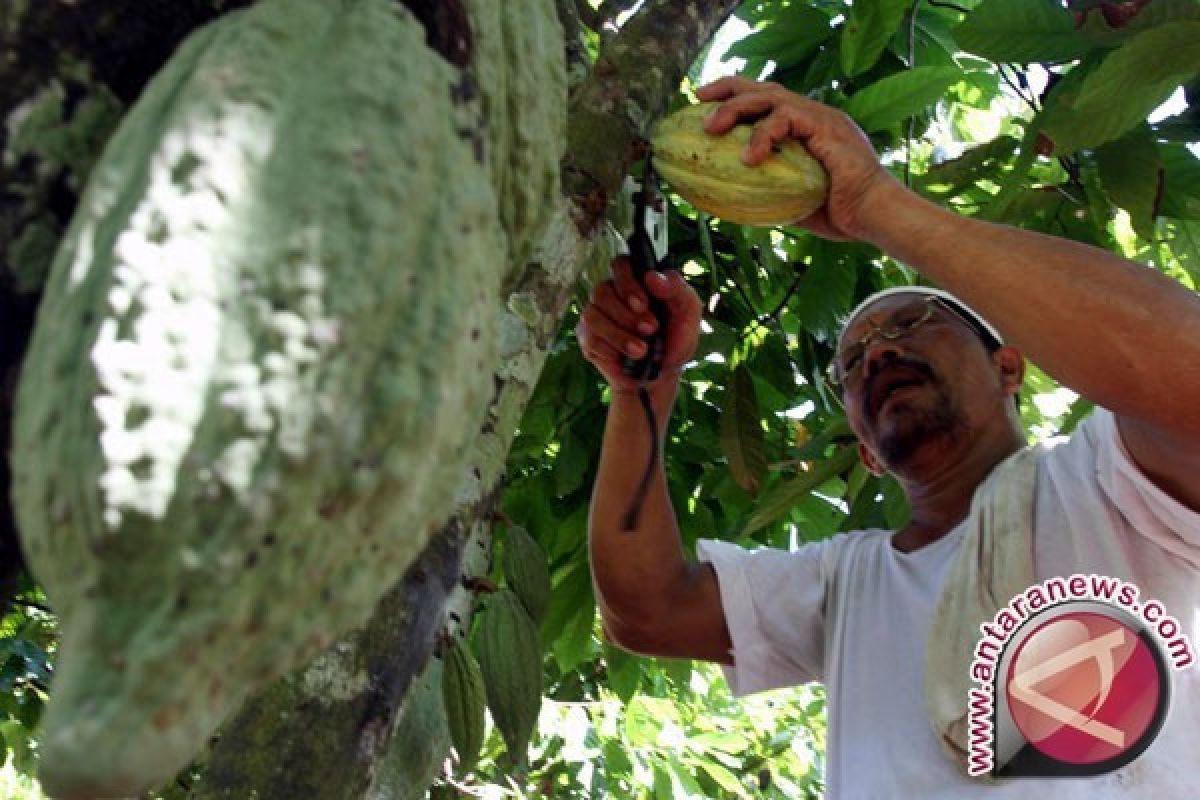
<point x="927" y="387"/>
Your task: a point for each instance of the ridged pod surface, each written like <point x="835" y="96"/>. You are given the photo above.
<point x="708" y="172"/>
<point x="527" y="572"/>
<point x="510" y="657"/>
<point x="264" y="348"/>
<point x="465" y="702"/>
<point x="520" y="66"/>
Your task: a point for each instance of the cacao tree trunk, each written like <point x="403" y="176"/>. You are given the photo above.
<point x="364" y="719"/>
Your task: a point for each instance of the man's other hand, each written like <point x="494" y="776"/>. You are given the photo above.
<point x="618" y="318"/>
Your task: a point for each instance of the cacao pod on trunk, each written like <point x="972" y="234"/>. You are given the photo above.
<point x="510" y="656"/>
<point x="527" y="572"/>
<point x="465" y="703"/>
<point x="264" y="349"/>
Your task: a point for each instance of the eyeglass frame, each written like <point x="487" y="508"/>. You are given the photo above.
<point x="833" y="369"/>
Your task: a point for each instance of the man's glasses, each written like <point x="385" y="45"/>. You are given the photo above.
<point x="846" y="367"/>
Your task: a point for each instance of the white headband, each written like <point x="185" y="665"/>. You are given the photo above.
<point x="925" y="291"/>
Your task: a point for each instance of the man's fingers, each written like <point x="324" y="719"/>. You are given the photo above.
<point x="767" y="133"/>
<point x="672" y="289"/>
<point x="747" y="104"/>
<point x="629" y="288"/>
<point x="723" y="88"/>
<point x="616" y="308"/>
<point x="599" y="331"/>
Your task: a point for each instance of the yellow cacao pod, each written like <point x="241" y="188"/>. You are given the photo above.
<point x="708" y="172"/>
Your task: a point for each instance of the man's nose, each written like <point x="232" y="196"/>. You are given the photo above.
<point x="878" y="353"/>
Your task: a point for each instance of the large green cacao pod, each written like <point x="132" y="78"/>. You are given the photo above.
<point x="264" y="349"/>
<point x="520" y="66"/>
<point x="708" y="172"/>
<point x="510" y="657"/>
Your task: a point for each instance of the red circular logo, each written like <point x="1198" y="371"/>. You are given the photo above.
<point x="1084" y="688"/>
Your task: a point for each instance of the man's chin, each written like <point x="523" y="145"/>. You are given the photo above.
<point x="906" y="429"/>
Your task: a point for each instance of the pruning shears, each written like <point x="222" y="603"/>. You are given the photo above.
<point x="648" y="252"/>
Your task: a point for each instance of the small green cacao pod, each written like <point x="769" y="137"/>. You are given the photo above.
<point x="263" y="353"/>
<point x="510" y="657"/>
<point x="464" y="698"/>
<point x="527" y="572"/>
<point x="708" y="172"/>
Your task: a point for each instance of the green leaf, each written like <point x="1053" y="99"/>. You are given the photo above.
<point x="741" y="431"/>
<point x="1079" y="409"/>
<point x="869" y="26"/>
<point x="624" y="672"/>
<point x="571" y="465"/>
<point x="574" y="644"/>
<point x="826" y="292"/>
<point x="982" y="161"/>
<point x="1131" y="172"/>
<point x="1021" y="31"/>
<point x="1181" y="182"/>
<point x="643" y="721"/>
<point x="572" y="592"/>
<point x="792" y="37"/>
<point x="1130" y="83"/>
<point x="1159" y="12"/>
<point x="779" y="500"/>
<point x="1183" y="240"/>
<point x="721" y="776"/>
<point x="889" y="101"/>
<point x="1183" y="127"/>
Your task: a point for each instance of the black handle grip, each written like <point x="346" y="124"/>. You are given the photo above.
<point x="641" y="254"/>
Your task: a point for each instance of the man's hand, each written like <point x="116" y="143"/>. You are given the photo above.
<point x="618" y="317"/>
<point x="856" y="176"/>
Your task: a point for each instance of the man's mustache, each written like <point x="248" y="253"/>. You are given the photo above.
<point x="883" y="372"/>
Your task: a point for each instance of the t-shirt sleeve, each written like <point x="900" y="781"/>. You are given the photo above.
<point x="774" y="603"/>
<point x="1149" y="510"/>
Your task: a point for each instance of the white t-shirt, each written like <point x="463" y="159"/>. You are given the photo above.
<point x="853" y="612"/>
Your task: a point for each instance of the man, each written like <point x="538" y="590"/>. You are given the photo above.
<point x="929" y="391"/>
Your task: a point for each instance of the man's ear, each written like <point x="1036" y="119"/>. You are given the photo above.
<point x="870" y="461"/>
<point x="1011" y="364"/>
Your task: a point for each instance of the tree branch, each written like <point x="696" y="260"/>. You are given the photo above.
<point x="634" y="79"/>
<point x="16" y="601"/>
<point x="578" y="63"/>
<point x="584" y="11"/>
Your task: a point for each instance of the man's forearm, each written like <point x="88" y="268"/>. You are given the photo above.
<point x="1120" y="333"/>
<point x="628" y="565"/>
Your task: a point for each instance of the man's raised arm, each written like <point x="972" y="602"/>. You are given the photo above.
<point x="1121" y="334"/>
<point x="651" y="598"/>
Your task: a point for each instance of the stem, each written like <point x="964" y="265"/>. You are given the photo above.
<point x="706" y="243"/>
<point x="912" y="62"/>
<point x="952" y="6"/>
